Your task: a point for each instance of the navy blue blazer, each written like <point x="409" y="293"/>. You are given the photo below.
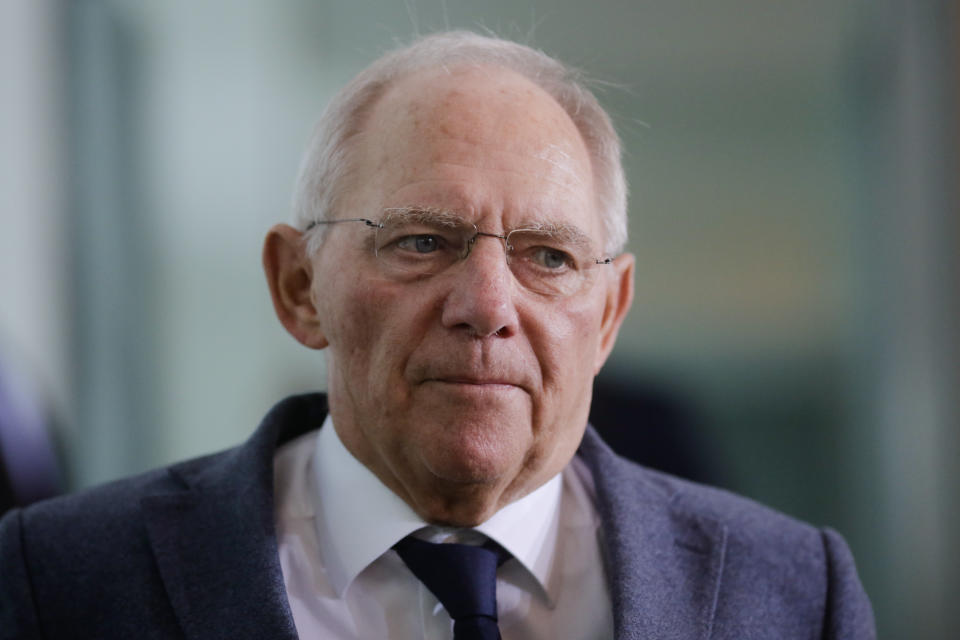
<point x="190" y="552"/>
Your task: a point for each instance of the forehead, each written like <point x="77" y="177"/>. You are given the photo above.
<point x="483" y="141"/>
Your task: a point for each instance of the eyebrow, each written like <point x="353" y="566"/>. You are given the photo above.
<point x="432" y="215"/>
<point x="566" y="232"/>
<point x="435" y="215"/>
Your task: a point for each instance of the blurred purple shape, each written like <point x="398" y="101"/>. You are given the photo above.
<point x="28" y="462"/>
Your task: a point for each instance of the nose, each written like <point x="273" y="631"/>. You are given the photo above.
<point x="481" y="292"/>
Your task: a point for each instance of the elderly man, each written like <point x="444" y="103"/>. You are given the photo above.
<point x="460" y="218"/>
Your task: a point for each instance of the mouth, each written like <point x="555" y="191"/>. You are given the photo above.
<point x="474" y="382"/>
<point x="472" y="377"/>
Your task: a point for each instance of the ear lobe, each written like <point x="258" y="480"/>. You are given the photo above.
<point x="289" y="274"/>
<point x="618" y="300"/>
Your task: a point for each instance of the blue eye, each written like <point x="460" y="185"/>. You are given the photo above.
<point x="419" y="243"/>
<point x="551" y="258"/>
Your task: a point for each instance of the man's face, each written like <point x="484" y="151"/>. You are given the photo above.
<point x="463" y="391"/>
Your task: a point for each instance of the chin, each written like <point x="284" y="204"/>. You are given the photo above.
<point x="461" y="488"/>
<point x="470" y="460"/>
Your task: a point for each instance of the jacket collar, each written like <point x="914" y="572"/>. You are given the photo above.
<point x="664" y="561"/>
<point x="214" y="541"/>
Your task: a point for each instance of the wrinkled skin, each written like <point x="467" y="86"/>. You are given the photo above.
<point x="462" y="391"/>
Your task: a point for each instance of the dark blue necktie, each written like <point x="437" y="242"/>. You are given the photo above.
<point x="464" y="580"/>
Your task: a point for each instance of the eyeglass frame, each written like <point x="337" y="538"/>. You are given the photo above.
<point x="376" y="226"/>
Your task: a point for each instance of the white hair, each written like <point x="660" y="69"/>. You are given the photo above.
<point x="327" y="162"/>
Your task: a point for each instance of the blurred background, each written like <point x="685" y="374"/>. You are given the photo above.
<point x="793" y="168"/>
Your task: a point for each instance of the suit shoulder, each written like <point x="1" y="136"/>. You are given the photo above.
<point x="767" y="532"/>
<point x="773" y="575"/>
<point x="798" y="570"/>
<point x="103" y="518"/>
<point x="633" y="487"/>
<point x="767" y="541"/>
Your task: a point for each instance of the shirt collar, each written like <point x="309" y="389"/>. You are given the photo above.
<point x="358" y="518"/>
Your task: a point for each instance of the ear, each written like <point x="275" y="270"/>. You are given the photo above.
<point x="289" y="272"/>
<point x="618" y="300"/>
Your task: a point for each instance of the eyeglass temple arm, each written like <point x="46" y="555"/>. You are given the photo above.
<point x="369" y="223"/>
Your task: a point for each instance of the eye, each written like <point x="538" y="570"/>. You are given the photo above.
<point x="421" y="243"/>
<point x="552" y="259"/>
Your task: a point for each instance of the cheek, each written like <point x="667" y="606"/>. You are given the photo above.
<point x="566" y="343"/>
<point x="373" y="331"/>
<point x="351" y="321"/>
<point x="570" y="338"/>
<point x="349" y="316"/>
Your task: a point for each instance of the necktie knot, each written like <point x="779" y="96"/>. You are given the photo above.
<point x="464" y="580"/>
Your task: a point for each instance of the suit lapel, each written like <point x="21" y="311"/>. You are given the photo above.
<point x="664" y="563"/>
<point x="215" y="543"/>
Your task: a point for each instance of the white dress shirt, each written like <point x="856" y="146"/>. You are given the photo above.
<point x="336" y="524"/>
